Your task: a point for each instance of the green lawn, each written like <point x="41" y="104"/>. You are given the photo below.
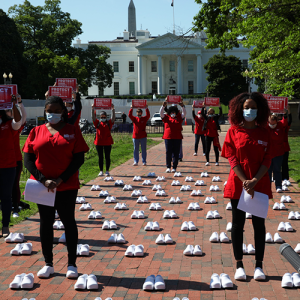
<point x="122" y="151"/>
<point x="294" y="159"/>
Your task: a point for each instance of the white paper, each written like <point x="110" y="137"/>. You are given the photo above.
<point x="258" y="206"/>
<point x="36" y="192"/>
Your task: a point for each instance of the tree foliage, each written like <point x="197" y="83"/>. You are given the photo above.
<point x="225" y="77"/>
<point x="271" y="27"/>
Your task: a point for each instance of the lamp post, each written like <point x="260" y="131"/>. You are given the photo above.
<point x="7" y="81"/>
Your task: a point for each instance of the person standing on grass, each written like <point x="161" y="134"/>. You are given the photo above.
<point x="139" y="135"/>
<point x="123" y="116"/>
<point x="247" y="148"/>
<point x="8" y="128"/>
<point x="199" y="133"/>
<point x="53" y="154"/>
<point x="103" y="139"/>
<point x="172" y="133"/>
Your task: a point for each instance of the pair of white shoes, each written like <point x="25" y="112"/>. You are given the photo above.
<point x="196" y="193"/>
<point x="153" y="282"/>
<point x="215" y="238"/>
<point x="83" y="250"/>
<point x="191" y="250"/>
<point x="120" y="206"/>
<point x="177" y="174"/>
<point x="213" y="215"/>
<point x="184" y="298"/>
<point x="229" y="226"/>
<point x="136" y="193"/>
<point x="109" y="225"/>
<point x="152" y="226"/>
<point x="127" y="187"/>
<point x="95" y="215"/>
<point x="110" y="199"/>
<point x="255" y="298"/>
<point x="151" y="174"/>
<point x="286" y="182"/>
<point x="286" y="199"/>
<point x="241" y="275"/>
<point x="294" y="215"/>
<point x="134" y="250"/>
<point x="204" y="174"/>
<point x="161" y="240"/>
<point x="161" y="193"/>
<point x="285" y="226"/>
<point x="194" y="206"/>
<point x="119" y="183"/>
<point x="80" y="200"/>
<point x="290" y="280"/>
<point x="229" y="206"/>
<point x="248" y="250"/>
<point x="117" y="239"/>
<point x="86" y="281"/>
<point x="147" y="182"/>
<point x="175" y="183"/>
<point x="85" y="206"/>
<point x="170" y="214"/>
<point x="103" y="194"/>
<point x="214" y="188"/>
<point x="277" y="238"/>
<point x="137" y="178"/>
<point x="160" y="178"/>
<point x="175" y="201"/>
<point x="138" y="214"/>
<point x="58" y="225"/>
<point x="199" y="183"/>
<point x="185" y="188"/>
<point x="22" y="281"/>
<point x="46" y="271"/>
<point x="210" y="200"/>
<point x="15" y="238"/>
<point x="142" y="199"/>
<point x="188" y="226"/>
<point x="22" y="249"/>
<point x="189" y="179"/>
<point x="98" y="298"/>
<point x="156" y="187"/>
<point x="108" y="178"/>
<point x="155" y="206"/>
<point x="169" y="170"/>
<point x="279" y="206"/>
<point x="222" y="281"/>
<point x="216" y="179"/>
<point x="95" y="188"/>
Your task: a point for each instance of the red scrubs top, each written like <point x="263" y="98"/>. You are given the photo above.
<point x="277" y="136"/>
<point x="251" y="148"/>
<point x="211" y="128"/>
<point x="7" y="147"/>
<point x="55" y="153"/>
<point x="286" y="135"/>
<point x="18" y="152"/>
<point x="173" y="127"/>
<point x="103" y="133"/>
<point x="199" y="125"/>
<point x="139" y="125"/>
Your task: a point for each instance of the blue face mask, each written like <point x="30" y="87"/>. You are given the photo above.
<point x="53" y="118"/>
<point x="103" y="120"/>
<point x="250" y="114"/>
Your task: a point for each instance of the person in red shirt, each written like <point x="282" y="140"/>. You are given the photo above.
<point x="247" y="148"/>
<point x="74" y="109"/>
<point x="8" y="162"/>
<point x="199" y="133"/>
<point x="53" y="154"/>
<point x="139" y="135"/>
<point x="172" y="133"/>
<point x="103" y="139"/>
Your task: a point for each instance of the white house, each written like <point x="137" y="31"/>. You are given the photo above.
<point x="166" y="64"/>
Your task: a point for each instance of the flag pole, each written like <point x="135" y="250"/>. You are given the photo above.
<point x="173" y="18"/>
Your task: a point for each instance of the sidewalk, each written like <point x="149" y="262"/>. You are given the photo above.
<point x="122" y="277"/>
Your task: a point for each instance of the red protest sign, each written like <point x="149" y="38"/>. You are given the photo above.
<point x="67" y="82"/>
<point x="65" y="93"/>
<point x="174" y="99"/>
<point x="102" y="103"/>
<point x="277" y="104"/>
<point x="139" y="103"/>
<point x="5" y="97"/>
<point x="198" y="103"/>
<point x="212" y="101"/>
<point x="14" y="87"/>
<point x="267" y="95"/>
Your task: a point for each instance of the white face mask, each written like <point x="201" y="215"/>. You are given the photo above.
<point x="69" y="108"/>
<point x="273" y="126"/>
<point x="173" y="116"/>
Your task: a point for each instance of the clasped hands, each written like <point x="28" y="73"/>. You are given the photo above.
<point x="249" y="185"/>
<point x="52" y="184"/>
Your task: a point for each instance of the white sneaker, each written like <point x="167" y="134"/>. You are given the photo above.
<point x="135" y="164"/>
<point x="209" y="215"/>
<point x="121" y="239"/>
<point x="168" y="170"/>
<point x="160" y="240"/>
<point x="216" y="214"/>
<point x="112" y="239"/>
<point x="279" y="190"/>
<point x="100" y="173"/>
<point x="240" y="274"/>
<point x="287" y="281"/>
<point x="229" y="226"/>
<point x="172" y="200"/>
<point x="291" y="216"/>
<point x="188" y="250"/>
<point x="288" y="226"/>
<point x="281" y="226"/>
<point x="226" y="281"/>
<point x="207" y="164"/>
<point x="155" y="226"/>
<point x="15" y="215"/>
<point x="276" y="206"/>
<point x="185" y="226"/>
<point x="297" y="215"/>
<point x="228" y="206"/>
<point x="297" y="248"/>
<point x="248" y="216"/>
<point x="278" y="238"/>
<point x="269" y="238"/>
<point x="214" y="238"/>
<point x="168" y="239"/>
<point x="217" y="164"/>
<point x="251" y="249"/>
<point x="224" y="238"/>
<point x="259" y="274"/>
<point x="296" y="279"/>
<point x="139" y="250"/>
<point x="282" y="206"/>
<point x="45" y="272"/>
<point x="173" y="171"/>
<point x="72" y="272"/>
<point x="195" y="154"/>
<point x="197" y="251"/>
<point x="215" y="282"/>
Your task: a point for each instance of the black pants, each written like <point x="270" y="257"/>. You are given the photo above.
<point x="107" y="150"/>
<point x="238" y="222"/>
<point x="285" y="166"/>
<point x="16" y="193"/>
<point x="208" y="141"/>
<point x="172" y="149"/>
<point x="65" y="206"/>
<point x="197" y="139"/>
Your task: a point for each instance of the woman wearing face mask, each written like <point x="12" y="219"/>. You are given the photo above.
<point x="172" y="133"/>
<point x="53" y="154"/>
<point x="247" y="148"/>
<point x="139" y="135"/>
<point x="199" y="133"/>
<point x="103" y="139"/>
<point x="277" y="131"/>
<point x="211" y="127"/>
<point x="8" y="162"/>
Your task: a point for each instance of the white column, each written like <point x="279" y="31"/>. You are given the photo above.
<point x="159" y="75"/>
<point x="199" y="73"/>
<point x="140" y="73"/>
<point x="179" y="75"/>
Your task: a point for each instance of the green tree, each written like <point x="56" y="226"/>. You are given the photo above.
<point x="225" y="77"/>
<point x="271" y="27"/>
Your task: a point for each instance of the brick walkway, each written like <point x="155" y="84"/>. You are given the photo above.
<point x="121" y="277"/>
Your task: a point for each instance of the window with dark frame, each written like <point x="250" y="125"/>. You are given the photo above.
<point x="131" y="88"/>
<point x="191" y="87"/>
<point x="172" y="65"/>
<point x="153" y="66"/>
<point x="131" y="66"/>
<point x="245" y="63"/>
<point x="116" y="88"/>
<point x="116" y="66"/>
<point x="154" y="87"/>
<point x="190" y="66"/>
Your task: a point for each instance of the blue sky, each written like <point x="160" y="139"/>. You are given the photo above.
<point x="107" y="19"/>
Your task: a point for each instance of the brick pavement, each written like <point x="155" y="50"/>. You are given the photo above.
<point x="122" y="277"/>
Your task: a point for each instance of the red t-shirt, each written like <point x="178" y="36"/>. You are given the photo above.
<point x="173" y="127"/>
<point x="139" y="124"/>
<point x="251" y="149"/>
<point x="277" y="135"/>
<point x="7" y="148"/>
<point x="286" y="136"/>
<point x="71" y="113"/>
<point x="55" y="153"/>
<point x="17" y="143"/>
<point x="211" y="128"/>
<point x="103" y="133"/>
<point x="199" y="125"/>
